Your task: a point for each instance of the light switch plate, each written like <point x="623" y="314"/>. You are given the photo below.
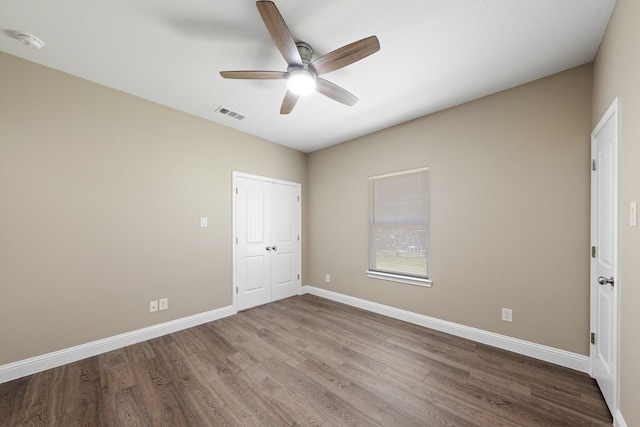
<point x="633" y="214"/>
<point x="203" y="221"/>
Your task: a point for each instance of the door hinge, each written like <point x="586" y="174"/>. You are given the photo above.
<point x="298" y="237"/>
<point x="593" y="251"/>
<point x="236" y="190"/>
<point x="298" y="198"/>
<point x="236" y="240"/>
<point x="236" y="289"/>
<point x="593" y="337"/>
<point x="298" y="277"/>
<point x="593" y="164"/>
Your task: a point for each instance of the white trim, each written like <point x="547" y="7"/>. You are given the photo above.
<point x="25" y="367"/>
<point x="618" y="420"/>
<point x="426" y="283"/>
<point x="387" y="175"/>
<point x="236" y="174"/>
<point x="549" y="354"/>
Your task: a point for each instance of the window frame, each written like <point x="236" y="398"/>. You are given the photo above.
<point x="397" y="276"/>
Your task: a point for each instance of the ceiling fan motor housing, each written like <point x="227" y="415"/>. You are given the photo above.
<point x="301" y="79"/>
<point x="305" y="52"/>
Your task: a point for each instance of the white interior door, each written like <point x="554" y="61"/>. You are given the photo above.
<point x="604" y="256"/>
<point x="252" y="261"/>
<point x="267" y="256"/>
<point x="285" y="239"/>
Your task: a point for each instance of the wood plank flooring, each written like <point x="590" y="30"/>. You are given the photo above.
<point x="305" y="361"/>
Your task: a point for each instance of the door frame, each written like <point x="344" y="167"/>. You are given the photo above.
<point x="234" y="177"/>
<point x="613" y="112"/>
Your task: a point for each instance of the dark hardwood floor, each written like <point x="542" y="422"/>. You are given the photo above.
<point x="305" y="361"/>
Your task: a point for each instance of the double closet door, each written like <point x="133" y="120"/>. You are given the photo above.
<point x="267" y="259"/>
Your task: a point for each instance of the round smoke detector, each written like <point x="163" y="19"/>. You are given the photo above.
<point x="29" y="40"/>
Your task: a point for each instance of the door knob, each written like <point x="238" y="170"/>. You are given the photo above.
<point x="275" y="248"/>
<point x="268" y="248"/>
<point x="603" y="280"/>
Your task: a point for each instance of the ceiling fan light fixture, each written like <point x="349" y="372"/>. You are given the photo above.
<point x="301" y="81"/>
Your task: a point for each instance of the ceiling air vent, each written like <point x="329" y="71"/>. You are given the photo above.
<point x="230" y="113"/>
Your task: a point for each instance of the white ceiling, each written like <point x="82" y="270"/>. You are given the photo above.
<point x="434" y="54"/>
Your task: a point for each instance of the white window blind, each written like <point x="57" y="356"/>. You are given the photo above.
<point x="399" y="225"/>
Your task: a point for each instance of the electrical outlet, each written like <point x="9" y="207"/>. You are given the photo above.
<point x="327" y="278"/>
<point x="153" y="306"/>
<point x="507" y="315"/>
<point x="164" y="303"/>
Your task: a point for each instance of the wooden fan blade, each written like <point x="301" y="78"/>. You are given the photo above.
<point x="335" y="92"/>
<point x="255" y="75"/>
<point x="346" y="55"/>
<point x="288" y="102"/>
<point x="279" y="32"/>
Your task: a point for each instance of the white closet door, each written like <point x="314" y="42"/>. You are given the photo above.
<point x="285" y="237"/>
<point x="268" y="250"/>
<point x="253" y="260"/>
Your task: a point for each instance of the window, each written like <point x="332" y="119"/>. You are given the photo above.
<point x="399" y="227"/>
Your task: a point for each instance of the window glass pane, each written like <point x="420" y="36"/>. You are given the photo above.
<point x="399" y="224"/>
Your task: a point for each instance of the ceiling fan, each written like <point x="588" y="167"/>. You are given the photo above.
<point x="302" y="73"/>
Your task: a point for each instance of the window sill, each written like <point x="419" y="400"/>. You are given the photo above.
<point x="399" y="278"/>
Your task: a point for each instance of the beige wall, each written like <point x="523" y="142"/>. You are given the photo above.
<point x="509" y="211"/>
<point x="100" y="199"/>
<point x="101" y="194"/>
<point x="617" y="74"/>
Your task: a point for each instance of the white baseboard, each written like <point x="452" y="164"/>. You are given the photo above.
<point x="43" y="362"/>
<point x="549" y="354"/>
<point x="618" y="420"/>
